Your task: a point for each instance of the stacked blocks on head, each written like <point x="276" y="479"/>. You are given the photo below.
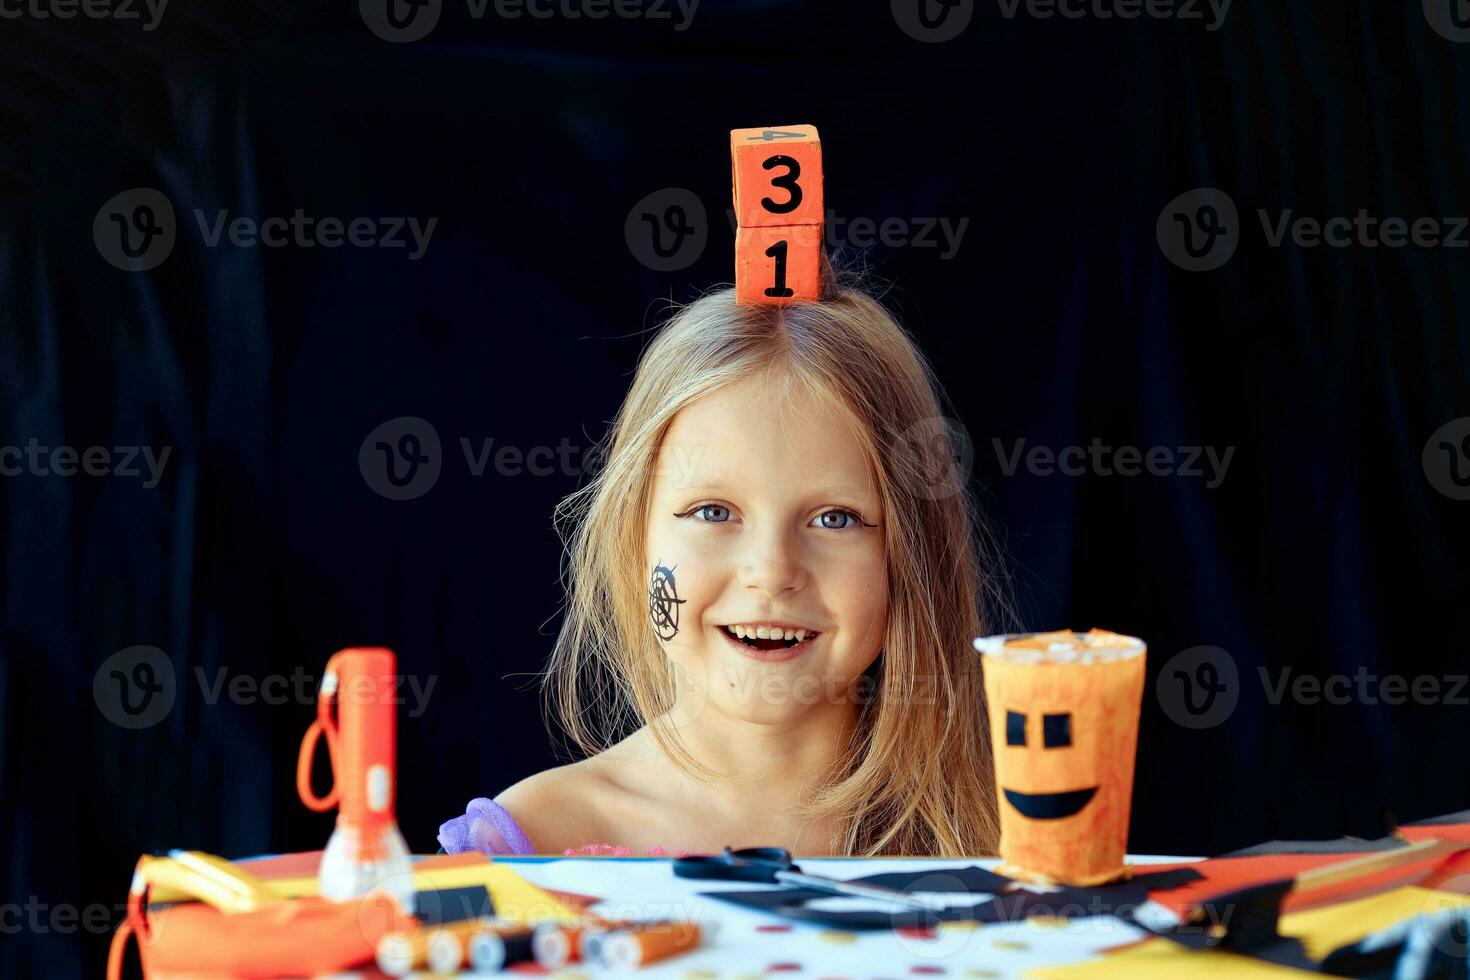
<point x="779" y="213"/>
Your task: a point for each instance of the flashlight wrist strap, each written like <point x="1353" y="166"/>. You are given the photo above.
<point x="325" y="726"/>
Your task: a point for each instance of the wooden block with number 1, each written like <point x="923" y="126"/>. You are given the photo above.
<point x="781" y="264"/>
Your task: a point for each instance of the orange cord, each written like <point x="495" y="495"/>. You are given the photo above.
<point x="136" y="921"/>
<point x="119" y="948"/>
<point x="325" y="725"/>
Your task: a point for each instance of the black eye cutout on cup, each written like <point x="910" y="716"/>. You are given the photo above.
<point x="1015" y="728"/>
<point x="1056" y="730"/>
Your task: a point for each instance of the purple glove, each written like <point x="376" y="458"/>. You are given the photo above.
<point x="486" y="827"/>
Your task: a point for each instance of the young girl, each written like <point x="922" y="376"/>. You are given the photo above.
<point x="775" y="580"/>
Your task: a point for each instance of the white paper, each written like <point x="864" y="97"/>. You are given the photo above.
<point x="648" y="889"/>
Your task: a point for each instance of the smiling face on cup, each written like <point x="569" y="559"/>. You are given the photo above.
<point x="1064" y="723"/>
<point x="1055" y="731"/>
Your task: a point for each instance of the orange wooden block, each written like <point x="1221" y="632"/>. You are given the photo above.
<point x="778" y="265"/>
<point x="777" y="176"/>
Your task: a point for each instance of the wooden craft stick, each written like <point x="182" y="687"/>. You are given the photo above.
<point x="1367" y="864"/>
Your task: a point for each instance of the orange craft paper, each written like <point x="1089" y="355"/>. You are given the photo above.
<point x="1065" y="794"/>
<point x="1442" y="831"/>
<point x="303" y="937"/>
<point x="1228" y="874"/>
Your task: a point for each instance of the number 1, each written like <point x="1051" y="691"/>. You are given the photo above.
<point x="780" y="289"/>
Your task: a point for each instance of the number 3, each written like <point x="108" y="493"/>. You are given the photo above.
<point x="787" y="182"/>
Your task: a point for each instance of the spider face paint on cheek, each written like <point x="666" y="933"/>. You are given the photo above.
<point x="664" y="603"/>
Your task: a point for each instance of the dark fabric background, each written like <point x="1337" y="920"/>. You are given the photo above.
<point x="264" y="549"/>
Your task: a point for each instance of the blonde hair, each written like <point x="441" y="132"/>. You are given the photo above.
<point x="917" y="777"/>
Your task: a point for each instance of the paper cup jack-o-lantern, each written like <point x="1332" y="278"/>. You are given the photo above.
<point x="1064" y="723"/>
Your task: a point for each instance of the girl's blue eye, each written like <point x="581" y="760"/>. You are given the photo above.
<point x="713" y="513"/>
<point x="837" y="520"/>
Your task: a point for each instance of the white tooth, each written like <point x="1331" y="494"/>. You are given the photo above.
<point x="762" y="632"/>
<point x="738" y="631"/>
<point x="800" y="635"/>
<point x="790" y="635"/>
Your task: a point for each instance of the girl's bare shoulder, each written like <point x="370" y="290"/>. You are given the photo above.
<point x="576" y="804"/>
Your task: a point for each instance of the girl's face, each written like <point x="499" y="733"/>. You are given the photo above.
<point x="765" y="564"/>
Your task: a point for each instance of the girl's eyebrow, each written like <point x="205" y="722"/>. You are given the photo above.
<point x="699" y="488"/>
<point x="821" y="491"/>
<point x="835" y="491"/>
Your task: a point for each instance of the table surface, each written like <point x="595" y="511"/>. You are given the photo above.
<point x="747" y="942"/>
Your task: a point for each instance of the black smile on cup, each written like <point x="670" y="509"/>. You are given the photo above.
<point x="1050" y="806"/>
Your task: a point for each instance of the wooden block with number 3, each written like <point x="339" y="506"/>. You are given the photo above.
<point x="778" y="265"/>
<point x="778" y="176"/>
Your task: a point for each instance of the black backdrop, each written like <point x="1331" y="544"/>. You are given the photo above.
<point x="1330" y="546"/>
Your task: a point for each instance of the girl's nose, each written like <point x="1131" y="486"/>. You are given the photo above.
<point x="772" y="564"/>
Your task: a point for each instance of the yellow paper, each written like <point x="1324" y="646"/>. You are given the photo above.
<point x="1320" y="930"/>
<point x="1163" y="959"/>
<point x="205" y="877"/>
<point x="1325" y="929"/>
<point x="514" y="898"/>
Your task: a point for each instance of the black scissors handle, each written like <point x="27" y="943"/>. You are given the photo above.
<point x="747" y="864"/>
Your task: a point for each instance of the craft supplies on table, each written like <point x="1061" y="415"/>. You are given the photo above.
<point x="755" y="941"/>
<point x="773" y="866"/>
<point x="266" y="918"/>
<point x="1172" y="918"/>
<point x="1349" y="907"/>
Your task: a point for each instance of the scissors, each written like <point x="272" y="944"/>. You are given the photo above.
<point x="773" y="866"/>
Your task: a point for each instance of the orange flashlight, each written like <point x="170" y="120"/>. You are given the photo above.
<point x="366" y="849"/>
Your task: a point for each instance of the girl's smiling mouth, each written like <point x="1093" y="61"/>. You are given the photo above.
<point x="769" y="641"/>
